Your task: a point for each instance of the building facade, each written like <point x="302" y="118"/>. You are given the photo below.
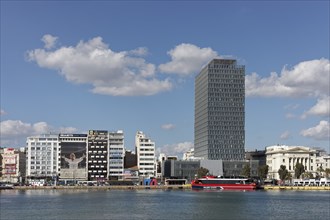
<point x="97" y="155"/>
<point x="116" y="155"/>
<point x="145" y="152"/>
<point x="42" y="157"/>
<point x="180" y="169"/>
<point x="73" y="163"/>
<point x="289" y="156"/>
<point x="219" y="111"/>
<point x="13" y="164"/>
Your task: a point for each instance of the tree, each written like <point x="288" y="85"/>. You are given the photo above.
<point x="319" y="172"/>
<point x="246" y="171"/>
<point x="283" y="173"/>
<point x="327" y="172"/>
<point x="298" y="170"/>
<point x="263" y="171"/>
<point x="308" y="175"/>
<point x="202" y="172"/>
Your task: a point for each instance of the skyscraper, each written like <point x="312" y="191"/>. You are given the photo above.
<point x="219" y="111"/>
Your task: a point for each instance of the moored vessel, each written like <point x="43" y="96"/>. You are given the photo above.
<point x="213" y="182"/>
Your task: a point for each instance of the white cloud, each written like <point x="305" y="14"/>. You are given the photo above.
<point x="187" y="59"/>
<point x="309" y="78"/>
<point x="176" y="149"/>
<point x="12" y="128"/>
<point x="67" y="130"/>
<point x="15" y="132"/>
<point x="321" y="108"/>
<point x="319" y="132"/>
<point x="2" y="112"/>
<point x="168" y="126"/>
<point x="49" y="40"/>
<point x="285" y="135"/>
<point x="290" y="115"/>
<point x="110" y="73"/>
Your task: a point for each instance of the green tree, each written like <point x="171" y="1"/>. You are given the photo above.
<point x="246" y="171"/>
<point x="263" y="171"/>
<point x="319" y="172"/>
<point x="327" y="172"/>
<point x="308" y="175"/>
<point x="283" y="173"/>
<point x="202" y="172"/>
<point x="298" y="170"/>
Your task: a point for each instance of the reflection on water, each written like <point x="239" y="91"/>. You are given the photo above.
<point x="163" y="204"/>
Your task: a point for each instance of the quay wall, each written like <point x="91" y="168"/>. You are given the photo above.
<point x="297" y="187"/>
<point x="122" y="187"/>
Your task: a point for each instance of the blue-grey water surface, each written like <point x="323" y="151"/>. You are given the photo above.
<point x="163" y="204"/>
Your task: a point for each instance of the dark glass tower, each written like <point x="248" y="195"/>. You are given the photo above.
<point x="219" y="111"/>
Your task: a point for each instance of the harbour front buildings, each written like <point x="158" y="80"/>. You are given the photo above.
<point x="289" y="156"/>
<point x="145" y="151"/>
<point x="219" y="111"/>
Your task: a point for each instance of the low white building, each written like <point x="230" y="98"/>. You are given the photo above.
<point x="289" y="156"/>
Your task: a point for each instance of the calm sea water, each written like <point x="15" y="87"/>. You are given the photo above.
<point x="162" y="204"/>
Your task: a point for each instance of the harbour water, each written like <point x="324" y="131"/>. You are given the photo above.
<point x="163" y="204"/>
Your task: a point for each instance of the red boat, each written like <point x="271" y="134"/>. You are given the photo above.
<point x="213" y="182"/>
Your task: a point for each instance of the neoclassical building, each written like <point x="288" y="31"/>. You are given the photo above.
<point x="289" y="156"/>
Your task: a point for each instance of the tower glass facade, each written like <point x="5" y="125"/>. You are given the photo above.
<point x="220" y="111"/>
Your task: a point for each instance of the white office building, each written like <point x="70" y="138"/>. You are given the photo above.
<point x="145" y="151"/>
<point x="42" y="156"/>
<point x="116" y="155"/>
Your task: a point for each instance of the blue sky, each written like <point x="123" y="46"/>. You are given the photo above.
<point x="114" y="65"/>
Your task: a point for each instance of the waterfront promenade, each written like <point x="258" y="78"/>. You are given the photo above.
<point x="114" y="187"/>
<point x="162" y="187"/>
<point x="297" y="187"/>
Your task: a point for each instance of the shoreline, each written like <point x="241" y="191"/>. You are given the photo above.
<point x="162" y="187"/>
<point x="113" y="187"/>
<point x="311" y="188"/>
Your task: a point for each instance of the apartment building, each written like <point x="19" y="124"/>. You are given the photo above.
<point x="145" y="152"/>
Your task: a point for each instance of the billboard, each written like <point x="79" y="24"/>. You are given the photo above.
<point x="73" y="160"/>
<point x="10" y="169"/>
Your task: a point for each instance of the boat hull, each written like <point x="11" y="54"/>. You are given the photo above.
<point x="224" y="187"/>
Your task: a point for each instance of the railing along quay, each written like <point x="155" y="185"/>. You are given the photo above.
<point x="297" y="187"/>
<point x="114" y="187"/>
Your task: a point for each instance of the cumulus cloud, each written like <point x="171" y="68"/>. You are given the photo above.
<point x="285" y="135"/>
<point x="49" y="41"/>
<point x="14" y="132"/>
<point x="187" y="59"/>
<point x="321" y="108"/>
<point x="2" y="112"/>
<point x="67" y="130"/>
<point x="92" y="62"/>
<point x="306" y="79"/>
<point x="319" y="132"/>
<point x="168" y="126"/>
<point x="176" y="149"/>
<point x="12" y="128"/>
